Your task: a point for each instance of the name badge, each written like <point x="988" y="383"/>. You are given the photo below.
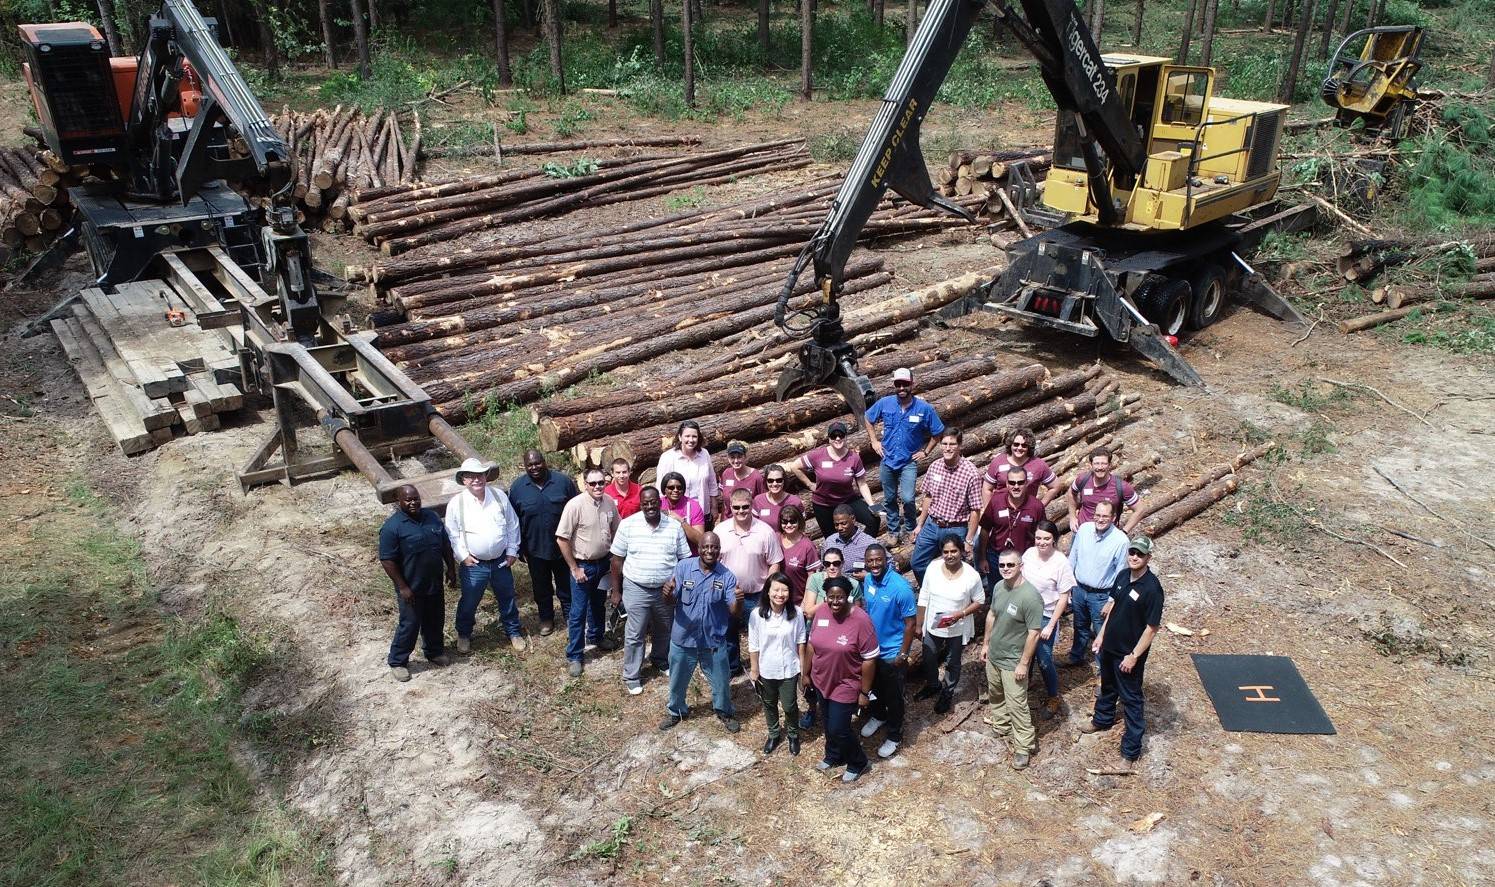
<point x="763" y="512"/>
<point x="827" y="464"/>
<point x="822" y="623"/>
<point x="1132" y="594"/>
<point x="1012" y="609"/>
<point x="1003" y="513"/>
<point x="914" y="419"/>
<point x="1090" y="491"/>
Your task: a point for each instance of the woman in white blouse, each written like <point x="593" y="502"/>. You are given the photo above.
<point x="950" y="593"/>
<point x="1049" y="572"/>
<point x="693" y="462"/>
<point x="778" y="660"/>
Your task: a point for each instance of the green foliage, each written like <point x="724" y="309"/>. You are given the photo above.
<point x="1257" y="74"/>
<point x="689" y="200"/>
<point x="571" y="119"/>
<point x="836" y="145"/>
<point x="609" y="847"/>
<point x="1310" y="397"/>
<point x="583" y="166"/>
<point x="1448" y="186"/>
<point x="1472" y="333"/>
<point x="1262" y="516"/>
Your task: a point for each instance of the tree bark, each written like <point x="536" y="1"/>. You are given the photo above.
<point x="806" y="47"/>
<point x="1137" y="25"/>
<point x="1183" y="46"/>
<point x="1349" y="11"/>
<point x="267" y="39"/>
<point x="879" y="15"/>
<point x="656" y="25"/>
<point x="910" y="21"/>
<point x="552" y="14"/>
<point x="1165" y="519"/>
<point x="1266" y="22"/>
<point x="1211" y="8"/>
<point x="1300" y="45"/>
<point x="1329" y="18"/>
<point x="687" y="20"/>
<point x="373" y="16"/>
<point x="501" y="45"/>
<point x="1490" y="74"/>
<point x="360" y="37"/>
<point x="325" y="15"/>
<point x="612" y="14"/>
<point x="1098" y="19"/>
<point x="528" y="14"/>
<point x="1373" y="15"/>
<point x="1155" y="503"/>
<point x="763" y="35"/>
<point x="111" y="30"/>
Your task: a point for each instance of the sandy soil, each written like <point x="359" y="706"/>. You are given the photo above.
<point x="499" y="770"/>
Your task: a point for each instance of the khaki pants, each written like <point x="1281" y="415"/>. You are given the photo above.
<point x="1009" y="708"/>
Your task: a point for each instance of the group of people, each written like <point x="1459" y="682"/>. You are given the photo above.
<point x="699" y="560"/>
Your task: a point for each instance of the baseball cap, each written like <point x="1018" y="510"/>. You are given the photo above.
<point x="903" y="374"/>
<point x="1141" y="545"/>
<point x="836" y="428"/>
<point x="736" y="448"/>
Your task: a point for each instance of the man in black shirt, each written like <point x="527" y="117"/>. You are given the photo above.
<point x="539" y="496"/>
<point x="1131" y="620"/>
<point x="414" y="552"/>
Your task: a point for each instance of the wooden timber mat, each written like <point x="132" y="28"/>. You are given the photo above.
<point x="1260" y="694"/>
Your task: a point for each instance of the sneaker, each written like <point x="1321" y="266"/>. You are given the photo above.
<point x="1020" y="761"/>
<point x="400" y="673"/>
<point x="853" y="775"/>
<point x="731" y="724"/>
<point x="887" y="749"/>
<point x="606" y="645"/>
<point x="443" y="660"/>
<point x="635" y="689"/>
<point x="872" y="726"/>
<point x="589" y="647"/>
<point x="807" y="720"/>
<point x="519" y="642"/>
<point x="942" y="704"/>
<point x="825" y="766"/>
<point x="1091" y="727"/>
<point x="464" y="644"/>
<point x="669" y="722"/>
<point x="547" y="629"/>
<point x="575" y="668"/>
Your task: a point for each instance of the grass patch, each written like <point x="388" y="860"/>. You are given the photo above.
<point x="1400" y="643"/>
<point x="1262" y="517"/>
<point x="609" y="847"/>
<point x="1311" y="397"/>
<point x="502" y="432"/>
<point x="119" y="730"/>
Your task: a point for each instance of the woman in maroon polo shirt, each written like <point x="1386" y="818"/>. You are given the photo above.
<point x="800" y="556"/>
<point x="840" y="479"/>
<point x="766" y="506"/>
<point x="843" y="661"/>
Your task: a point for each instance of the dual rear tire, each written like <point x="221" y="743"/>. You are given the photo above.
<point x="1176" y="304"/>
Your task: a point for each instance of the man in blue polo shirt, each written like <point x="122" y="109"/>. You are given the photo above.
<point x="706" y="597"/>
<point x="415" y="554"/>
<point x="910" y="428"/>
<point x="1097" y="555"/>
<point x="890" y="601"/>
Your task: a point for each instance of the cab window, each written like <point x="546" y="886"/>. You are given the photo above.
<point x="1184" y="98"/>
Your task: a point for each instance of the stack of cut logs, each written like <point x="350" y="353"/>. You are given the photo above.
<point x="970" y="172"/>
<point x="34" y="205"/>
<point x="514" y="320"/>
<point x="1362" y="261"/>
<point x="340" y="153"/>
<point x="402" y="218"/>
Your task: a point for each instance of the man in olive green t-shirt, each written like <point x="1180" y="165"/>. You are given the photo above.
<point x="1012" y="626"/>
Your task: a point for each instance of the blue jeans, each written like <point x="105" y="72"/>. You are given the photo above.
<point x="734" y="633"/>
<point x="477" y="579"/>
<point x="1045" y="655"/>
<point x="713" y="664"/>
<point x="587" y="609"/>
<point x="1114" y="684"/>
<point x="421" y="617"/>
<point x="927" y="545"/>
<point x="898" y="488"/>
<point x="1088" y="603"/>
<point x="842" y="745"/>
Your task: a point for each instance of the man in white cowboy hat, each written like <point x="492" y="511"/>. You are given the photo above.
<point x="484" y="531"/>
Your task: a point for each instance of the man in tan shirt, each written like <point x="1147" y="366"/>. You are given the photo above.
<point x="585" y="537"/>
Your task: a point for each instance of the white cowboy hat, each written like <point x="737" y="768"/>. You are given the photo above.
<point x="476" y="466"/>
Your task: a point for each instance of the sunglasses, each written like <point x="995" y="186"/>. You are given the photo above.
<point x="831" y="563"/>
<point x="1135" y="553"/>
<point x="1007" y="566"/>
<point x="742" y="508"/>
<point x="773" y="480"/>
<point x="596" y="483"/>
<point x="673" y="488"/>
<point x="838" y="437"/>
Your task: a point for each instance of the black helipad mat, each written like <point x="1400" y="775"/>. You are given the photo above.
<point x="1260" y="694"/>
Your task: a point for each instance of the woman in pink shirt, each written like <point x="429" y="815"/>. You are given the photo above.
<point x="840" y="479"/>
<point x="738" y="475"/>
<point x="800" y="556"/>
<point x="843" y="647"/>
<point x="766" y="506"/>
<point x="1050" y="573"/>
<point x="683" y="507"/>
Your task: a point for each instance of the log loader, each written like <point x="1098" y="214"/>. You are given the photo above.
<point x="191" y="189"/>
<point x="1151" y="181"/>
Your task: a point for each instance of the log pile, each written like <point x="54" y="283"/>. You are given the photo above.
<point x="341" y="153"/>
<point x="975" y="173"/>
<point x="34" y="206"/>
<point x="401" y="219"/>
<point x="499" y="151"/>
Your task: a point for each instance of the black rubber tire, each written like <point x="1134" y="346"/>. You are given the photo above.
<point x="1208" y="301"/>
<point x="1167" y="306"/>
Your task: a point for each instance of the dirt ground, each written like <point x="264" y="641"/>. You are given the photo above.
<point x="500" y="770"/>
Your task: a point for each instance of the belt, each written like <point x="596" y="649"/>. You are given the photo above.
<point x="947" y="524"/>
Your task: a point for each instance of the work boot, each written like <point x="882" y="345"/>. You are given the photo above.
<point x="400" y="673"/>
<point x="1051" y="709"/>
<point x="929" y="692"/>
<point x="669" y="722"/>
<point x="1091" y="727"/>
<point x="547" y="628"/>
<point x="575" y="669"/>
<point x="731" y="724"/>
<point x="983" y="695"/>
<point x="942" y="704"/>
<point x="519" y="642"/>
<point x="1020" y="761"/>
<point x="443" y="660"/>
<point x="794" y="746"/>
<point x="464" y="644"/>
<point x="606" y="645"/>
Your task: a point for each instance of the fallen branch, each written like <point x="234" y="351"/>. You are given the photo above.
<point x="1371" y="545"/>
<point x="1356" y="386"/>
<point x="1429" y="509"/>
<point x="1339" y="214"/>
<point x="1304" y="337"/>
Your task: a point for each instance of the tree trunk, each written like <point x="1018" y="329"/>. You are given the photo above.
<point x="360" y="38"/>
<point x="1349" y="10"/>
<point x="881" y="6"/>
<point x="1373" y="16"/>
<point x="528" y="14"/>
<point x="612" y="14"/>
<point x="1490" y="75"/>
<point x="326" y="16"/>
<point x="1137" y="25"/>
<point x="1183" y="47"/>
<point x="806" y="44"/>
<point x="501" y="44"/>
<point x="373" y="16"/>
<point x="111" y="31"/>
<point x="1098" y="19"/>
<point x="1211" y="7"/>
<point x="1329" y="18"/>
<point x="656" y="24"/>
<point x="552" y="14"/>
<point x="687" y="22"/>
<point x="1165" y="519"/>
<point x="267" y="39"/>
<point x="1300" y="45"/>
<point x="1266" y="22"/>
<point x="910" y="21"/>
<point x="763" y="40"/>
